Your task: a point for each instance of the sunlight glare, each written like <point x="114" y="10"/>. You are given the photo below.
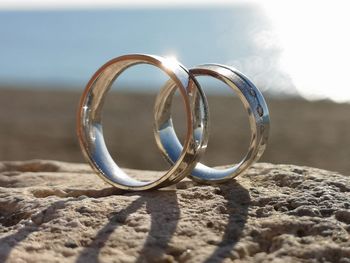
<point x="315" y="41"/>
<point x="171" y="62"/>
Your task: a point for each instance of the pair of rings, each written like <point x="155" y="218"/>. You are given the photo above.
<point x="184" y="158"/>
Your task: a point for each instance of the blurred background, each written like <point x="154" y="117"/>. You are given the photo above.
<point x="296" y="52"/>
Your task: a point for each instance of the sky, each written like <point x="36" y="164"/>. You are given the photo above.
<point x="312" y="36"/>
<point x="45" y="4"/>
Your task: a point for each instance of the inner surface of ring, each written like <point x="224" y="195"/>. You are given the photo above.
<point x="171" y="146"/>
<point x="91" y="120"/>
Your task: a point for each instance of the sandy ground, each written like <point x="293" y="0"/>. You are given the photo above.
<point x="41" y="125"/>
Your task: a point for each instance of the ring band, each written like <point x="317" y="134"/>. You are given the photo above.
<point x="89" y="122"/>
<point x="254" y="103"/>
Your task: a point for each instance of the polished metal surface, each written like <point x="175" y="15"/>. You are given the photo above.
<point x="90" y="132"/>
<point x="254" y="103"/>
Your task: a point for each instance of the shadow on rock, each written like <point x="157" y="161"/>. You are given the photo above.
<point x="238" y="201"/>
<point x="8" y="243"/>
<point x="163" y="208"/>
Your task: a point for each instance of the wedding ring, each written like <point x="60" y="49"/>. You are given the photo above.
<point x="89" y="122"/>
<point x="253" y="101"/>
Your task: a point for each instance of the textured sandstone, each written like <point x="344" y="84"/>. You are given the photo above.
<point x="60" y="212"/>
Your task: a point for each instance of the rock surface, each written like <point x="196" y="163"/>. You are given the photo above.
<point x="60" y="212"/>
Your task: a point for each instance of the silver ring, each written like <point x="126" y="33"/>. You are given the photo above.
<point x="253" y="101"/>
<point x="89" y="122"/>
